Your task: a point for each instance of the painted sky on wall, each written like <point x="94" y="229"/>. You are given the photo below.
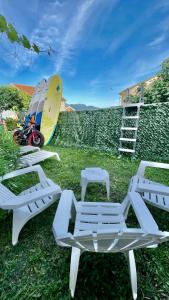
<point x="100" y="46"/>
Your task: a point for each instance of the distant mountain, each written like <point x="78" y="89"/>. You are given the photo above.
<point x="79" y="107"/>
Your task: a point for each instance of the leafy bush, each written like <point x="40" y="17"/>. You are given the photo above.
<point x="11" y="98"/>
<point x="8" y="153"/>
<point x="159" y="90"/>
<point x="133" y="98"/>
<point x="8" y="156"/>
<point x="10" y="124"/>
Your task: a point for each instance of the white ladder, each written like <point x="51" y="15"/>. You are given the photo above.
<point x="127" y="108"/>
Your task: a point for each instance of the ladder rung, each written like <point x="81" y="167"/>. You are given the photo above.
<point x="133" y="104"/>
<point x="127" y="140"/>
<point x="126" y="150"/>
<point x="130" y="117"/>
<point x="128" y="128"/>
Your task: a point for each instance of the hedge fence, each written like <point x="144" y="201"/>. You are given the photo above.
<point x="100" y="129"/>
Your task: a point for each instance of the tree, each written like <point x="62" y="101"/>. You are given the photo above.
<point x="164" y="73"/>
<point x="14" y="37"/>
<point x="159" y="91"/>
<point x="11" y="98"/>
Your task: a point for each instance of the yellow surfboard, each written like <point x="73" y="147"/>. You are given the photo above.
<point x="51" y="108"/>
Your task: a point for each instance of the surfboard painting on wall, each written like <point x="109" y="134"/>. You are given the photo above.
<point x="51" y="108"/>
<point x="37" y="103"/>
<point x="42" y="98"/>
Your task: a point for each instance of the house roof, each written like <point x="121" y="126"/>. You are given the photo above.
<point x="69" y="108"/>
<point x="30" y="90"/>
<point x="25" y="88"/>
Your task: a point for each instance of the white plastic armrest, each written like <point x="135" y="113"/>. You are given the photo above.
<point x="144" y="164"/>
<point x="63" y="213"/>
<point x="37" y="168"/>
<point x="153" y="188"/>
<point x="22" y="200"/>
<point x="133" y="184"/>
<point x="56" y="154"/>
<point x="142" y="213"/>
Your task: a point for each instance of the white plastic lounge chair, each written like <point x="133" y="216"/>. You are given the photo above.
<point x="30" y="202"/>
<point x="152" y="192"/>
<point x="36" y="157"/>
<point x="101" y="227"/>
<point x="28" y="149"/>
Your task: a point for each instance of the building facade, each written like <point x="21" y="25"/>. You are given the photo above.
<point x="133" y="90"/>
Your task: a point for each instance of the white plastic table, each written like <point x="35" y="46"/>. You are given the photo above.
<point x="94" y="175"/>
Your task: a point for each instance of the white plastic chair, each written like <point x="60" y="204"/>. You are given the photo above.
<point x="101" y="227"/>
<point x="94" y="175"/>
<point x="152" y="192"/>
<point x="28" y="149"/>
<point x="36" y="157"/>
<point x="31" y="201"/>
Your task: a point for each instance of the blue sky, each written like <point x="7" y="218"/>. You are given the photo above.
<point x="101" y="46"/>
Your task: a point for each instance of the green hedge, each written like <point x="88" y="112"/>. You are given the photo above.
<point x="153" y="134"/>
<point x="100" y="129"/>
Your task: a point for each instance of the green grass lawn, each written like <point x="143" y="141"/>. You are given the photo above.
<point x="36" y="268"/>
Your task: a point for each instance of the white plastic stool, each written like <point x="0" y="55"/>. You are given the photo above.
<point x="94" y="175"/>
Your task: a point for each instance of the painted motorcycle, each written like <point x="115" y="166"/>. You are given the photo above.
<point x="28" y="136"/>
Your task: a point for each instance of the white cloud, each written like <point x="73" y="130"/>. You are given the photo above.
<point x="116" y="80"/>
<point x="101" y="83"/>
<point x="72" y="34"/>
<point x="57" y="3"/>
<point x="162" y="28"/>
<point x="15" y="56"/>
<point x="64" y="25"/>
<point x="60" y="27"/>
<point x="85" y="16"/>
<point x="158" y="40"/>
<point x="145" y="67"/>
<point x="122" y="38"/>
<point x="131" y="29"/>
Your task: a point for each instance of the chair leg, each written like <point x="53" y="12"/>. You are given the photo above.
<point x="18" y="223"/>
<point x="83" y="191"/>
<point x="74" y="266"/>
<point x="108" y="189"/>
<point x="133" y="272"/>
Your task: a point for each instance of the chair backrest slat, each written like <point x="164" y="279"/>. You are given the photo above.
<point x="101" y="227"/>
